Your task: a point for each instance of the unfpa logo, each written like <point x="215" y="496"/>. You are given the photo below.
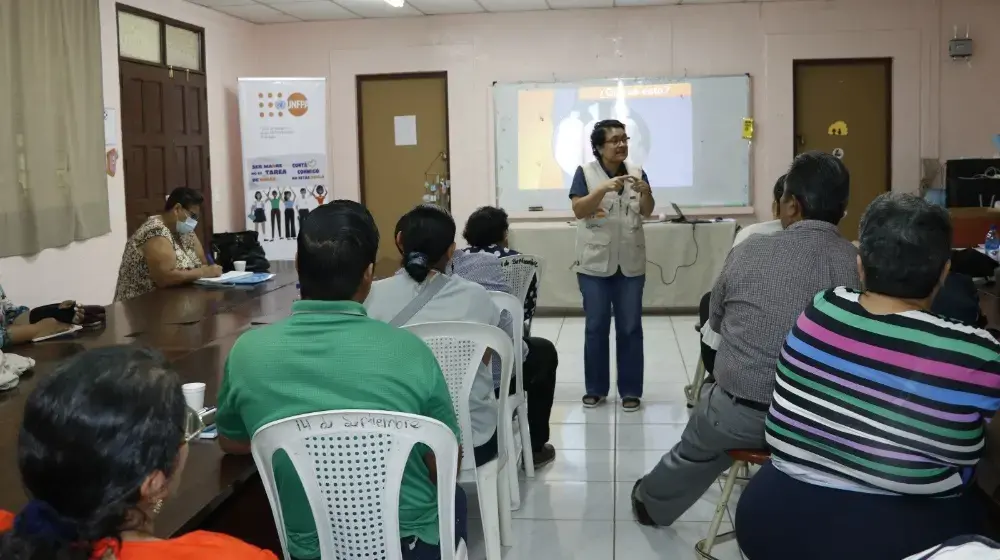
<point x="298" y="105"/>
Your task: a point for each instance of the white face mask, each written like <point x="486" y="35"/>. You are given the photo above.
<point x="187" y="226"/>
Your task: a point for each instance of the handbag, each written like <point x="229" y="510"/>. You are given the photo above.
<point x="228" y="248"/>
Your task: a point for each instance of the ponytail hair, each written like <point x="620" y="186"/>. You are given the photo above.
<point x="93" y="431"/>
<point x="426" y="235"/>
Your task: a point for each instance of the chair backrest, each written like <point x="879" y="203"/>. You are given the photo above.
<point x="459" y="348"/>
<point x="510" y="304"/>
<point x="351" y="465"/>
<point x="518" y="272"/>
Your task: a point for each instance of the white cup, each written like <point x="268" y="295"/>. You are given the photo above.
<point x="194" y="395"/>
<point x="240" y="266"/>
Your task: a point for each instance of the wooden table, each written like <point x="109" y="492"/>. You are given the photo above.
<point x="195" y="328"/>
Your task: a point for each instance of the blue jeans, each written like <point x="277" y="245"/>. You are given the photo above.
<point x="416" y="549"/>
<point x="622" y="294"/>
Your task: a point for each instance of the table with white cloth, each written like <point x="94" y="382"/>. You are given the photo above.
<point x="683" y="261"/>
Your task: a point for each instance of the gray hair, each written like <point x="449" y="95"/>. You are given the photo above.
<point x="905" y="245"/>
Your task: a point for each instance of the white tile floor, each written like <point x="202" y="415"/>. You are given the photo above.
<point x="578" y="507"/>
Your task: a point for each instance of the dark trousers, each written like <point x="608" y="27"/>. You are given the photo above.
<point x="780" y="518"/>
<point x="540" y="384"/>
<point x="302" y="217"/>
<point x="488" y="451"/>
<point x="707" y="354"/>
<point x="275" y="222"/>
<point x="415" y="549"/>
<point x="289" y="222"/>
<point x="621" y="295"/>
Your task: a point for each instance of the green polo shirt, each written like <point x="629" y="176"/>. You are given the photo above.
<point x="330" y="355"/>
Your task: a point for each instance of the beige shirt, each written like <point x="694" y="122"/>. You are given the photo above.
<point x="762" y="228"/>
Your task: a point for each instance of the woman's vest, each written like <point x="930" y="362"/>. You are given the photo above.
<point x="615" y="240"/>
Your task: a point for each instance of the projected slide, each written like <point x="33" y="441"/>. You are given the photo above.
<point x="687" y="134"/>
<point x="554" y="127"/>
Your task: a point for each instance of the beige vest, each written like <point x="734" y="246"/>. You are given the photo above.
<point x="616" y="240"/>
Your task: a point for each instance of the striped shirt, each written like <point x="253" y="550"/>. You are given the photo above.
<point x="882" y="403"/>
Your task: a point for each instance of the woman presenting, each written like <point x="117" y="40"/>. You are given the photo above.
<point x="610" y="198"/>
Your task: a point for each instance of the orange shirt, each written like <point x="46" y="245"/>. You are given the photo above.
<point x="198" y="545"/>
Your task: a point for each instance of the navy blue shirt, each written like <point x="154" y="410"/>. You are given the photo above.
<point x="579" y="186"/>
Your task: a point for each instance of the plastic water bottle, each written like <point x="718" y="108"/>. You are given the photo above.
<point x="992" y="244"/>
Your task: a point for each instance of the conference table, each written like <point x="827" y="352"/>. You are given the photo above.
<point x="194" y="327"/>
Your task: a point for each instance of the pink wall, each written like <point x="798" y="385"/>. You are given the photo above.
<point x="87" y="271"/>
<point x="931" y="93"/>
<point x="942" y="109"/>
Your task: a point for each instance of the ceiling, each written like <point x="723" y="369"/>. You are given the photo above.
<point x="290" y="11"/>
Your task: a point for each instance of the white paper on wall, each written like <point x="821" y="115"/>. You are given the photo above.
<point x="406" y="130"/>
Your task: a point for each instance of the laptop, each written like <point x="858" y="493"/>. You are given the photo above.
<point x="682" y="219"/>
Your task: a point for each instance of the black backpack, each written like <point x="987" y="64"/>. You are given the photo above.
<point x="239" y="246"/>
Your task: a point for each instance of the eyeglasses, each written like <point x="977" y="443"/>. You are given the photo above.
<point x="194" y="423"/>
<point x="623" y="141"/>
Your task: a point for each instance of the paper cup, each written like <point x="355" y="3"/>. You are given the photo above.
<point x="194" y="395"/>
<point x="240" y="266"/>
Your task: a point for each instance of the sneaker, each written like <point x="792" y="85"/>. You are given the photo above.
<point x="593" y="401"/>
<point x="545" y="456"/>
<point x="639" y="509"/>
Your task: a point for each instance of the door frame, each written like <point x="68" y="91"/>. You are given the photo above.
<point x="886" y="65"/>
<point x="361" y="79"/>
<point x="209" y="229"/>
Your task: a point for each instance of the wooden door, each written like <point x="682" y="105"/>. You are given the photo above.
<point x="393" y="176"/>
<point x="164" y="141"/>
<point x="845" y="106"/>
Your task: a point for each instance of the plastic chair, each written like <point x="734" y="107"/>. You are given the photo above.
<point x="459" y="348"/>
<point x="517" y="402"/>
<point x="518" y="272"/>
<point x="742" y="459"/>
<point x="356" y="503"/>
<point x="693" y="391"/>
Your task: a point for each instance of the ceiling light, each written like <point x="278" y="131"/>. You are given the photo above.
<point x="395" y="3"/>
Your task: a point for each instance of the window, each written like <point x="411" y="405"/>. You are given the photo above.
<point x="183" y="48"/>
<point x="152" y="39"/>
<point x="139" y="38"/>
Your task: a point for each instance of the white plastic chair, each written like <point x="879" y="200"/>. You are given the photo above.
<point x="355" y="504"/>
<point x="517" y="402"/>
<point x="518" y="272"/>
<point x="459" y="348"/>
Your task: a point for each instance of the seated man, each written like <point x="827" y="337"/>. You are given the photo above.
<point x="765" y="284"/>
<point x="765" y="228"/>
<point x="709" y="338"/>
<point x="540" y="357"/>
<point x="330" y="355"/>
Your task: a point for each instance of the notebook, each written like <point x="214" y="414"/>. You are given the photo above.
<point x="227" y="278"/>
<point x="237" y="279"/>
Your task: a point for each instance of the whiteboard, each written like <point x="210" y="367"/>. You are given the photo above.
<point x="686" y="133"/>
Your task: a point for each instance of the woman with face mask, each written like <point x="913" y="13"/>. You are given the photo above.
<point x="165" y="251"/>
